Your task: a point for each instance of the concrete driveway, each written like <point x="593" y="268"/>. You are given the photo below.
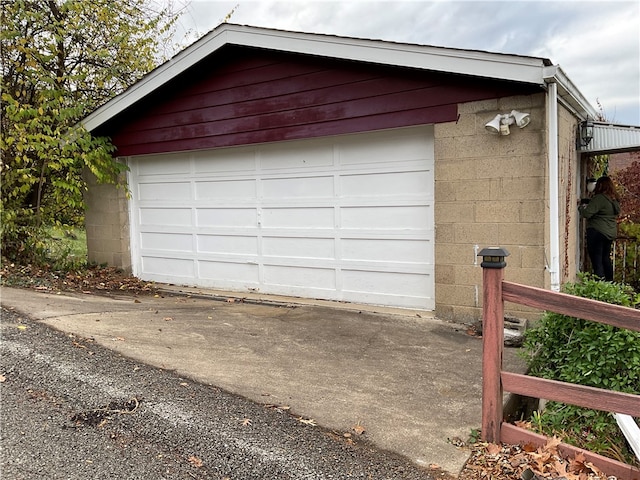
<point x="412" y="383"/>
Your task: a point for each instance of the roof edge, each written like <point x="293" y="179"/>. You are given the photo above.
<point x="499" y="66"/>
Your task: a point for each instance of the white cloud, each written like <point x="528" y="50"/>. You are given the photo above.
<point x="597" y="43"/>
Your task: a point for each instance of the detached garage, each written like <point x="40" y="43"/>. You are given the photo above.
<point x="341" y="169"/>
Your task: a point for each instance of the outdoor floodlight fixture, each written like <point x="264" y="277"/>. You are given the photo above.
<point x="585" y="133"/>
<point x="500" y="123"/>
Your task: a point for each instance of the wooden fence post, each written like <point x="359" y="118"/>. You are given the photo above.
<point x="492" y="341"/>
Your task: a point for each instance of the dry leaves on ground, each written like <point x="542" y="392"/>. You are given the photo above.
<point x="502" y="462"/>
<point x="100" y="280"/>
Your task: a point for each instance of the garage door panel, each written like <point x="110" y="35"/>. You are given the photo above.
<point x="168" y="191"/>
<point x="415" y="217"/>
<point x="240" y="273"/>
<point x="384" y="184"/>
<point x="340" y="218"/>
<point x="166" y="241"/>
<point x="164" y="266"/>
<point x="226" y="190"/>
<point x="394" y="145"/>
<point x="299" y="247"/>
<point x="298" y="187"/>
<point x="295" y="156"/>
<point x="227" y="217"/>
<point x="228" y="244"/>
<point x="300" y="277"/>
<point x="385" y="250"/>
<point x="226" y="160"/>
<point x="307" y="217"/>
<point x="179" y="217"/>
<point x="384" y="282"/>
<point x="157" y="165"/>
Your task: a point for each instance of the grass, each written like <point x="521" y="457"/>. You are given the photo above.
<point x="67" y="246"/>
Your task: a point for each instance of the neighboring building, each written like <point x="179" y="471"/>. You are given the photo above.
<point x="342" y="169"/>
<point x="620" y="161"/>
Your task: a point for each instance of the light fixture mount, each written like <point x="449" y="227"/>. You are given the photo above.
<point x="585" y="133"/>
<point x="499" y="125"/>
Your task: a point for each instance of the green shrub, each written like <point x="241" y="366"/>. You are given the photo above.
<point x="583" y="352"/>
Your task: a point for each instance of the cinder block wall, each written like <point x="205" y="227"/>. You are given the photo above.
<point x="490" y="190"/>
<point x="107" y="223"/>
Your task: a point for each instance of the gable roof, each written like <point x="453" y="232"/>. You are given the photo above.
<point x="532" y="70"/>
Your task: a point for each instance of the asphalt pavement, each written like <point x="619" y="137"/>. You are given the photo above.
<point x="388" y="382"/>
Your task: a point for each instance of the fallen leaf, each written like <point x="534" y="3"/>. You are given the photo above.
<point x="137" y="301"/>
<point x="246" y="422"/>
<point x="552" y="444"/>
<point x="307" y="421"/>
<point x="358" y="429"/>
<point x="22" y="327"/>
<point x="523" y="424"/>
<point x="167" y="319"/>
<point x="195" y="461"/>
<point x="493" y="449"/>
<point x="3" y="379"/>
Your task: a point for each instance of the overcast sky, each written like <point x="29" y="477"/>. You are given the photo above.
<point x="597" y="43"/>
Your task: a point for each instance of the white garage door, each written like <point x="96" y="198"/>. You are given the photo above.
<point x="345" y="218"/>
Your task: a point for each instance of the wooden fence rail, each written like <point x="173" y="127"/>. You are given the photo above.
<point x="494" y="381"/>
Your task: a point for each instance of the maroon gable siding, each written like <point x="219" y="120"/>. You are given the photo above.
<point x="241" y="96"/>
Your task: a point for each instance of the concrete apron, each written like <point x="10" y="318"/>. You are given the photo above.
<point x="413" y="383"/>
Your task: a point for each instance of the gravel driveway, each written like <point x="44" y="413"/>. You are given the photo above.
<point x="73" y="410"/>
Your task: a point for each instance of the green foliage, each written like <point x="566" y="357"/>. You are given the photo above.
<point x="583" y="352"/>
<point x="61" y="59"/>
<point x="66" y="248"/>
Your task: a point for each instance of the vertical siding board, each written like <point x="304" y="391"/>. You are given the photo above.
<point x="244" y="96"/>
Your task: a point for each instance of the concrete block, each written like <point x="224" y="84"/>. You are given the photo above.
<point x="454" y="212"/>
<point x="474" y="190"/>
<point x="445" y="233"/>
<point x="497" y="212"/>
<point x="456" y="295"/>
<point x="522" y="142"/>
<point x="532" y="257"/>
<point x="476" y="233"/>
<point x="445" y="191"/>
<point x="455" y="254"/>
<point x="476" y="146"/>
<point x="525" y="188"/>
<point x="532" y="211"/>
<point x="444" y="148"/>
<point x="445" y="274"/>
<point x="482" y="106"/>
<point x="455" y="170"/>
<point x="529" y="234"/>
<point x="466" y="125"/>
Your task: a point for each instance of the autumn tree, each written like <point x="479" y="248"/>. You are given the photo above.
<point x="629" y="181"/>
<point x="61" y="59"/>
